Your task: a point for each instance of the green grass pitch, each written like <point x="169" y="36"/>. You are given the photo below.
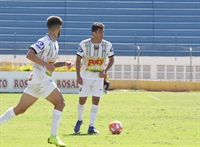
<point x="150" y="119"/>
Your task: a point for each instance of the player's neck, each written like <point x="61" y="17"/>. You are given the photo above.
<point x="96" y="40"/>
<point x="52" y="35"/>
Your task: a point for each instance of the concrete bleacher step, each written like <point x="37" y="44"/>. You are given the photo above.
<point x="70" y="38"/>
<point x="80" y="11"/>
<point x="176" y="5"/>
<point x="127" y="22"/>
<point x="79" y="17"/>
<point x="175" y="25"/>
<point x="113" y="39"/>
<point x="178" y="1"/>
<point x="80" y="4"/>
<point x="77" y="24"/>
<point x="76" y="31"/>
<point x="108" y="32"/>
<point x="177" y="19"/>
<point x="176" y="32"/>
<point x="33" y="10"/>
<point x="24" y="16"/>
<point x="33" y="3"/>
<point x="113" y="25"/>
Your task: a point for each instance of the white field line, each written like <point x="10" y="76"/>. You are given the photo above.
<point x="154" y="97"/>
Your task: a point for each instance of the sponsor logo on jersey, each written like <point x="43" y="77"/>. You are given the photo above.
<point x="97" y="61"/>
<point x="40" y="45"/>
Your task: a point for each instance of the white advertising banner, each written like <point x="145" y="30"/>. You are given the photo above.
<point x="17" y="81"/>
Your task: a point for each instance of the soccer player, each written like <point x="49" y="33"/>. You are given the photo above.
<point x="44" y="54"/>
<point x="93" y="52"/>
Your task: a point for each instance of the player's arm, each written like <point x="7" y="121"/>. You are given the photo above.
<point x="111" y="59"/>
<point x="78" y="69"/>
<point x="36" y="48"/>
<point x="31" y="55"/>
<point x="61" y="64"/>
<point x="78" y="65"/>
<point x="80" y="54"/>
<point x="110" y="63"/>
<point x="110" y="54"/>
<point x="104" y="72"/>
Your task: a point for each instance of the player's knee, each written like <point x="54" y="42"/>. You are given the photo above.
<point x="63" y="104"/>
<point x="60" y="104"/>
<point x="82" y="101"/>
<point x="18" y="111"/>
<point x="95" y="101"/>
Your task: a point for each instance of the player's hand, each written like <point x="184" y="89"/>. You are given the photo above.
<point x="102" y="74"/>
<point x="50" y="67"/>
<point x="69" y="64"/>
<point x="79" y="80"/>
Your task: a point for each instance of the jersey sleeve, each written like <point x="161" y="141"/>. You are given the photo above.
<point x="40" y="45"/>
<point x="110" y="51"/>
<point x="80" y="51"/>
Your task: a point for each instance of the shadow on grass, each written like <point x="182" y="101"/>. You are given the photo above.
<point x="79" y="134"/>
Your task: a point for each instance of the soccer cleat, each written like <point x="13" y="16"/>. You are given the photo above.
<point x="106" y="91"/>
<point x="56" y="141"/>
<point x="77" y="126"/>
<point x="92" y="130"/>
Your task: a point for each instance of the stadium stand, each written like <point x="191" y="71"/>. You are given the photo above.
<point x="160" y="27"/>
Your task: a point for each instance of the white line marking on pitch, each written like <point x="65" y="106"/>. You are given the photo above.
<point x="154" y="97"/>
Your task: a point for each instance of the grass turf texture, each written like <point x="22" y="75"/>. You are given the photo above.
<point x="150" y="119"/>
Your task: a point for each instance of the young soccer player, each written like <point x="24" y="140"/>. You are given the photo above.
<point x="93" y="53"/>
<point x="44" y="54"/>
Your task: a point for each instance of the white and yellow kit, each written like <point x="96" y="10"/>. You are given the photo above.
<point x="40" y="82"/>
<point x="93" y="61"/>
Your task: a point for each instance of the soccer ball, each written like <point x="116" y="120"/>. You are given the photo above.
<point x="115" y="127"/>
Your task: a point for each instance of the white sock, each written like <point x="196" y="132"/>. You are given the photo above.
<point x="7" y="116"/>
<point x="56" y="117"/>
<point x="81" y="109"/>
<point x="93" y="114"/>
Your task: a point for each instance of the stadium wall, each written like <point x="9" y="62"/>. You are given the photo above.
<point x="66" y="82"/>
<point x="142" y="68"/>
<point x="155" y="85"/>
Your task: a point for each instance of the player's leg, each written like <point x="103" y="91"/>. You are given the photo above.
<point x="84" y="91"/>
<point x="25" y="102"/>
<point x="53" y="95"/>
<point x="58" y="101"/>
<point x="93" y="114"/>
<point x="97" y="92"/>
<point x="81" y="109"/>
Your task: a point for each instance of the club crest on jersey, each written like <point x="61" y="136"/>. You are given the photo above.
<point x="111" y="50"/>
<point x="80" y="49"/>
<point x="97" y="61"/>
<point x="87" y="45"/>
<point x="104" y="45"/>
<point x="40" y="45"/>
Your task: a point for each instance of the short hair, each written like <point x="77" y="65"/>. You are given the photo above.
<point x="53" y="21"/>
<point x="97" y="25"/>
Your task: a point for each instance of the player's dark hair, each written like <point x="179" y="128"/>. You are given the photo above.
<point x="97" y="25"/>
<point x="53" y="21"/>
